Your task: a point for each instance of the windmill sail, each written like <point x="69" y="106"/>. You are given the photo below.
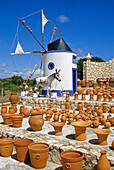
<point x="19" y="49"/>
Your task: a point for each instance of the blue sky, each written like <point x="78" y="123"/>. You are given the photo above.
<point x="87" y="26"/>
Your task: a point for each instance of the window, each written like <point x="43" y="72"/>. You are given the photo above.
<point x="51" y="66"/>
<point x="74" y="59"/>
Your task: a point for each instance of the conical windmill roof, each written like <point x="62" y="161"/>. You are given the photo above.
<point x="58" y="45"/>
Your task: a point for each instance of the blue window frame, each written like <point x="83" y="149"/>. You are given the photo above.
<point x="74" y="59"/>
<point x="51" y="66"/>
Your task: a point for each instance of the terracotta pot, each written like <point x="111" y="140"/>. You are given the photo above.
<point x="95" y="123"/>
<point x="88" y="91"/>
<point x="94" y="91"/>
<point x="13" y="98"/>
<point x="95" y="84"/>
<point x="83" y="96"/>
<point x="99" y="111"/>
<point x="86" y="84"/>
<point x="17" y="120"/>
<point x="56" y="117"/>
<point x="103" y="163"/>
<point x="4" y="109"/>
<point x="48" y="117"/>
<point x="36" y="120"/>
<point x="76" y="96"/>
<point x="80" y="129"/>
<point x="91" y="96"/>
<point x="11" y="109"/>
<point x="7" y="118"/>
<point x="112" y="109"/>
<point x="107" y="125"/>
<point x="6" y="147"/>
<point x="38" y="154"/>
<point x="63" y="118"/>
<point x="22" y="151"/>
<point x="15" y="107"/>
<point x="58" y="127"/>
<point x="102" y="135"/>
<point x="72" y="160"/>
<point x="80" y="106"/>
<point x="26" y="112"/>
<point x="22" y="108"/>
<point x="103" y="121"/>
<point x="105" y="107"/>
<point x="113" y="144"/>
<point x="67" y="105"/>
<point x="79" y="89"/>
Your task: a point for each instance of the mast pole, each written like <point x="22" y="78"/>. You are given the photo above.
<point x="32" y="34"/>
<point x="42" y="44"/>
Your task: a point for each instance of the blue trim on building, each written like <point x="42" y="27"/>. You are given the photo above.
<point x="44" y="92"/>
<point x="60" y="52"/>
<point x="75" y="80"/>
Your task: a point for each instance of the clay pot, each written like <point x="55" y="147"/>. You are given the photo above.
<point x="112" y="109"/>
<point x="109" y="116"/>
<point x="22" y="151"/>
<point x="79" y="89"/>
<point x="56" y="117"/>
<point x="51" y="105"/>
<point x="102" y="135"/>
<point x="103" y="121"/>
<point x="80" y="106"/>
<point x="105" y="107"/>
<point x="107" y="125"/>
<point x="36" y="120"/>
<point x="13" y="98"/>
<point x="86" y="84"/>
<point x="101" y="85"/>
<point x="88" y="91"/>
<point x="103" y="163"/>
<point x="4" y="109"/>
<point x="6" y="147"/>
<point x="63" y="118"/>
<point x="15" y="107"/>
<point x="38" y="154"/>
<point x="95" y="123"/>
<point x="67" y="105"/>
<point x="88" y="108"/>
<point x="113" y="144"/>
<point x="99" y="111"/>
<point x="17" y="120"/>
<point x="72" y="160"/>
<point x="91" y="96"/>
<point x="7" y="118"/>
<point x="80" y="129"/>
<point x="11" y="109"/>
<point x="99" y="96"/>
<point x="58" y="127"/>
<point x="94" y="91"/>
<point x="95" y="84"/>
<point x="22" y="109"/>
<point x="26" y="112"/>
<point x="76" y="96"/>
<point x="83" y="96"/>
<point x="48" y="117"/>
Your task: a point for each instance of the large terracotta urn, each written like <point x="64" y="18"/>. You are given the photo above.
<point x="58" y="127"/>
<point x="36" y="120"/>
<point x="17" y="120"/>
<point x="7" y="118"/>
<point x="103" y="163"/>
<point x="13" y="98"/>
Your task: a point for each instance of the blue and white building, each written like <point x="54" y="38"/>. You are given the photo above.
<point x="60" y="56"/>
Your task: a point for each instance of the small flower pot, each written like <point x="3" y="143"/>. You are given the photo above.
<point x="72" y="160"/>
<point x="38" y="154"/>
<point x="102" y="135"/>
<point x="22" y="151"/>
<point x="58" y="127"/>
<point x="6" y="147"/>
<point x="7" y="118"/>
<point x="17" y="120"/>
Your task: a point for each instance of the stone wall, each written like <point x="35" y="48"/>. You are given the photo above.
<point x="95" y="70"/>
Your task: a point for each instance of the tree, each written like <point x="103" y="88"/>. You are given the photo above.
<point x="80" y="65"/>
<point x="17" y="80"/>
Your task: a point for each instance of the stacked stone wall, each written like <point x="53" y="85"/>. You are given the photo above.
<point x="95" y="70"/>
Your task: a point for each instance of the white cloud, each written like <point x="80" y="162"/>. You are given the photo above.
<point x="62" y="19"/>
<point x="3" y="65"/>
